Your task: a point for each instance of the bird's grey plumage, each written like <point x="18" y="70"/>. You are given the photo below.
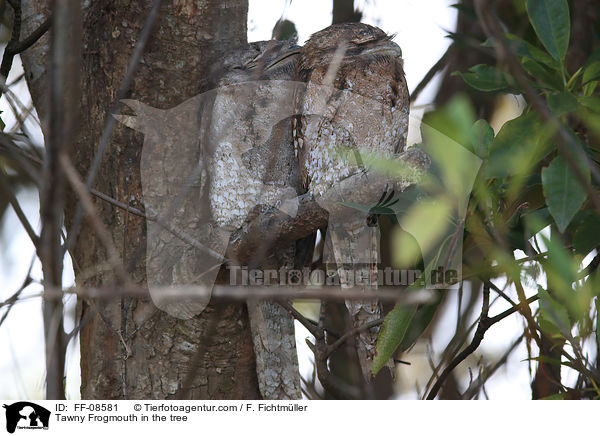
<point x="355" y="104"/>
<point x="253" y="164"/>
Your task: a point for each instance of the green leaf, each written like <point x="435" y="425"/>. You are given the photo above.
<point x="561" y="269"/>
<point x="592" y="103"/>
<point x="552" y="24"/>
<point x="454" y="120"/>
<point x="591" y="73"/>
<point x="392" y="332"/>
<point x="564" y="195"/>
<point x="469" y="11"/>
<point x="526" y="50"/>
<point x="597" y="302"/>
<point x="482" y="136"/>
<point x="419" y="323"/>
<point x="487" y="78"/>
<point x="550" y="78"/>
<point x="590" y="68"/>
<point x="586" y="236"/>
<point x="427" y="222"/>
<point x="537" y="220"/>
<point x="518" y="147"/>
<point x="554" y="318"/>
<point x="562" y="102"/>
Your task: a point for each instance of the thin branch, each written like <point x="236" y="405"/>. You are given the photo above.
<point x="120" y="204"/>
<point x="308" y="324"/>
<point x="4" y="186"/>
<point x="484" y="324"/>
<point x="501" y="293"/>
<point x="592" y="266"/>
<point x="490" y="371"/>
<point x="525" y="310"/>
<point x="437" y="67"/>
<point x="456" y="343"/>
<point x="8" y="56"/>
<point x="64" y="100"/>
<point x="16" y="80"/>
<point x="21" y="46"/>
<point x="477" y="338"/>
<point x="332" y="384"/>
<point x="337" y="344"/>
<point x="493" y="320"/>
<point x="10" y="302"/>
<point x="242" y="293"/>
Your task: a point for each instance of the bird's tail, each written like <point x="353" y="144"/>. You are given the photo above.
<point x="275" y="348"/>
<point x="356" y="251"/>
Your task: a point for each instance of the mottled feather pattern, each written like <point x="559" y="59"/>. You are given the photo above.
<point x="364" y="110"/>
<point x="253" y="164"/>
<point x="369" y="100"/>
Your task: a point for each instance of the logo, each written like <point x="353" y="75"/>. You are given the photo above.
<point x="26" y="415"/>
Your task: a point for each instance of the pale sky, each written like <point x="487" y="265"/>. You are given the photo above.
<point x="420" y="26"/>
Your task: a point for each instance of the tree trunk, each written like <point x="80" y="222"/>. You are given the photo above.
<point x="130" y="349"/>
<point x="344" y="12"/>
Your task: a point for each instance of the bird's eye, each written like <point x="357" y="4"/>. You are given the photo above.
<point x="364" y="39"/>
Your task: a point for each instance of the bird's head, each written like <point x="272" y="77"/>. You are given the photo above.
<point x="261" y="60"/>
<point x="355" y="39"/>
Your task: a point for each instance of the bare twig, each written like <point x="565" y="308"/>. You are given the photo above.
<point x="8" y="56"/>
<point x="64" y="101"/>
<point x="491" y="370"/>
<point x="10" y="302"/>
<point x="525" y="310"/>
<point x="337" y="344"/>
<point x="332" y="384"/>
<point x="477" y="338"/>
<point x="437" y="67"/>
<point x="242" y="293"/>
<point x="493" y="320"/>
<point x="484" y="324"/>
<point x="4" y="186"/>
<point x="592" y="266"/>
<point x="308" y="324"/>
<point x="27" y="42"/>
<point x="119" y="204"/>
<point x="501" y="293"/>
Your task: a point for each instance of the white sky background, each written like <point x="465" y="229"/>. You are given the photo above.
<point x="420" y="28"/>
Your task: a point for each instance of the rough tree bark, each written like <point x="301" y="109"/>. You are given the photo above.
<point x="129" y="349"/>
